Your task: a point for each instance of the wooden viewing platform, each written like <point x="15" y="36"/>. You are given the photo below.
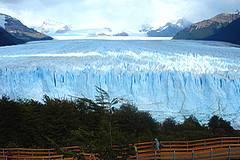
<point x="206" y="149"/>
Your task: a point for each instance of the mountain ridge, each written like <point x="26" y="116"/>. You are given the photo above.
<point x="7" y="39"/>
<point x="17" y="29"/>
<point x="230" y="33"/>
<point x="53" y="27"/>
<point x="206" y="28"/>
<point x="169" y="29"/>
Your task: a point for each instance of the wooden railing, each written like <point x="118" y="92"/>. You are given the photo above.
<point x="41" y="154"/>
<point x="24" y="153"/>
<point x="214" y="148"/>
<point x="122" y="152"/>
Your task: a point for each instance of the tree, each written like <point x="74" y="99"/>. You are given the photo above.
<point x="219" y="125"/>
<point x="169" y="124"/>
<point x="103" y="100"/>
<point x="133" y="125"/>
<point x="191" y="123"/>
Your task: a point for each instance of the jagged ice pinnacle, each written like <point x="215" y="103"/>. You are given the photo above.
<point x="166" y="78"/>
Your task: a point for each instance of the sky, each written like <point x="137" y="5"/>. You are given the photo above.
<point x="116" y="14"/>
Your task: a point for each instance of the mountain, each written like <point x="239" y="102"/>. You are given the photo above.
<point x="121" y="34"/>
<point x="52" y="27"/>
<point x="65" y="29"/>
<point x="231" y="33"/>
<point x="207" y="28"/>
<point x="19" y="30"/>
<point x="170" y="29"/>
<point x="7" y="39"/>
<point x="146" y="28"/>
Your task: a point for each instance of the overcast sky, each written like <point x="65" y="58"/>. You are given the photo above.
<point x="116" y="14"/>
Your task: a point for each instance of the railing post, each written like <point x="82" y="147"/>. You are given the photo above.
<point x="211" y="153"/>
<point x="229" y="153"/>
<point x="192" y="154"/>
<point x="174" y="155"/>
<point x="4" y="154"/>
<point x="48" y="154"/>
<point x="18" y="153"/>
<point x="155" y="154"/>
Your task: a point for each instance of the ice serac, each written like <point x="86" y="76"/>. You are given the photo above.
<point x="166" y="78"/>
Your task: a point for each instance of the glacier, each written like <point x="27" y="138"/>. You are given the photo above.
<point x="167" y="78"/>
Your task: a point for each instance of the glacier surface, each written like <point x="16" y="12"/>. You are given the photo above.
<point x="166" y="78"/>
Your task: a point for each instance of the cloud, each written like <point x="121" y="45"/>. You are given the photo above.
<point x="119" y="14"/>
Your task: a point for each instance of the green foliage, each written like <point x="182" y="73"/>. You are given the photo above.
<point x="134" y="124"/>
<point x="169" y="124"/>
<point x="191" y="123"/>
<point x="219" y="126"/>
<point x="94" y="125"/>
<point x="191" y="129"/>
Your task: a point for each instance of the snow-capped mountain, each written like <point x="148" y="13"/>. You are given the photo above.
<point x="183" y="23"/>
<point x="121" y="34"/>
<point x="83" y="33"/>
<point x="19" y="30"/>
<point x="169" y="29"/>
<point x="52" y="27"/>
<point x="146" y="28"/>
<point x="2" y="20"/>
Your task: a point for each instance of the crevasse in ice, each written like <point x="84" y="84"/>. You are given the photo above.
<point x="166" y="78"/>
